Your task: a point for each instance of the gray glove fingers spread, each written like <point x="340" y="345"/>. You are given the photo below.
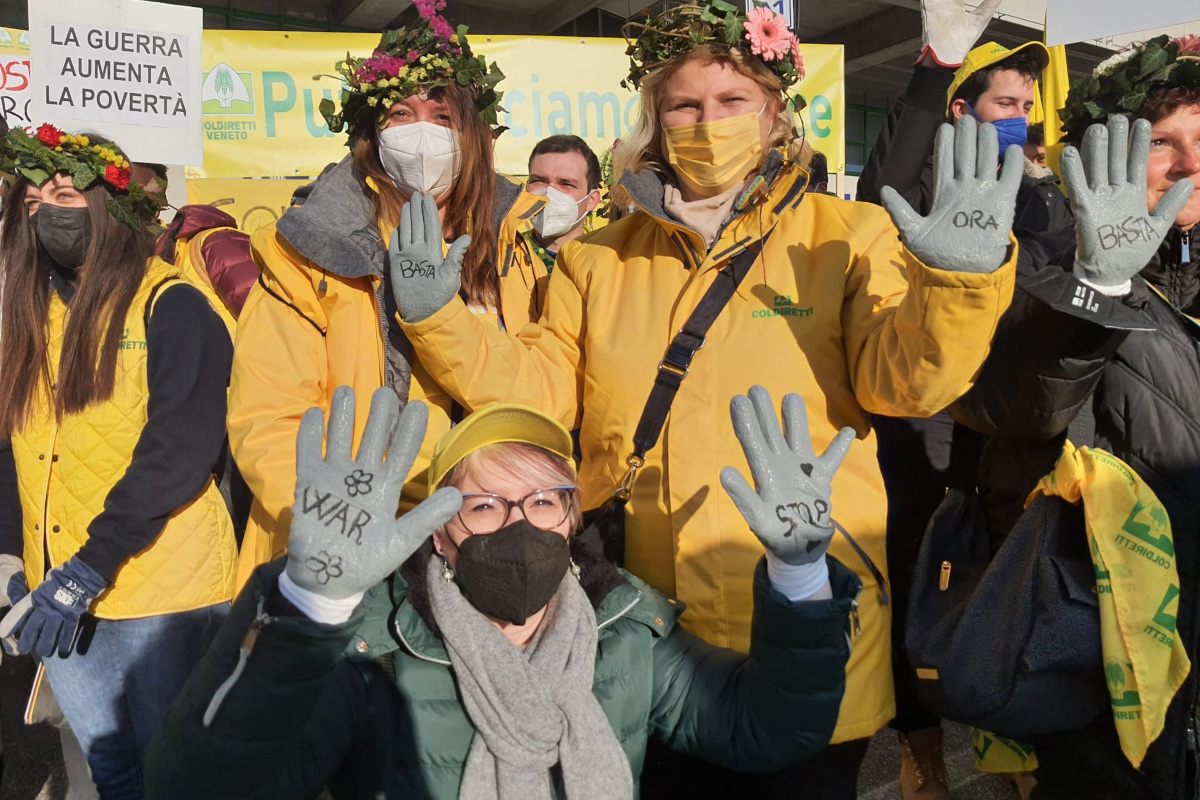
<point x="748" y="432"/>
<point x="1139" y="153"/>
<point x="943" y="160"/>
<point x="1095" y="156"/>
<point x="768" y="423"/>
<point x="902" y="214"/>
<point x="1118" y="149"/>
<point x="406" y="442"/>
<point x="431" y="226"/>
<point x="310" y="441"/>
<point x="404" y="231"/>
<point x="417" y="525"/>
<point x="831" y="460"/>
<point x="964" y="146"/>
<point x="1172" y="203"/>
<point x="748" y="503"/>
<point x="381" y="425"/>
<point x="456" y="254"/>
<point x="795" y="424"/>
<point x="987" y="152"/>
<point x="340" y="440"/>
<point x="1074" y="175"/>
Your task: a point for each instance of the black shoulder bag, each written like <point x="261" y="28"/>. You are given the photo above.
<point x="604" y="526"/>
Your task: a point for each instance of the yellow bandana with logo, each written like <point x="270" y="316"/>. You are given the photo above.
<point x="1138" y="587"/>
<point x="996" y="755"/>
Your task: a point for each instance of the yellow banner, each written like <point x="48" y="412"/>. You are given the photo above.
<point x="260" y="99"/>
<point x="253" y="202"/>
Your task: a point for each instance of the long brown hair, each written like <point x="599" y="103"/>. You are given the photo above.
<point x="469" y="209"/>
<point x="108" y="279"/>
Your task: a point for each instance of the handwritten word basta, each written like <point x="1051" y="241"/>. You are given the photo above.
<point x="1131" y="231"/>
<point x="415" y="269"/>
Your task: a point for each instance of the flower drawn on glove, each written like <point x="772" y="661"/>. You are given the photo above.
<point x="410" y="268"/>
<point x="358" y="482"/>
<point x="324" y="567"/>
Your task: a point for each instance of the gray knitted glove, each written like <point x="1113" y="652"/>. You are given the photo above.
<point x="1115" y="232"/>
<point x="422" y="281"/>
<point x="949" y="31"/>
<point x="789" y="508"/>
<point x="345" y="537"/>
<point x="968" y="226"/>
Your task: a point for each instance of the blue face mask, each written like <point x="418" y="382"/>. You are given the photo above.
<point x="1014" y="130"/>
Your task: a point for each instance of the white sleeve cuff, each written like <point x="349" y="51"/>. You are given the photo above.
<point x="799" y="582"/>
<point x="1120" y="290"/>
<point x="318" y="608"/>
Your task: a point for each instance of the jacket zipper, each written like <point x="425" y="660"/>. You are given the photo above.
<point x="383" y="335"/>
<point x="622" y="612"/>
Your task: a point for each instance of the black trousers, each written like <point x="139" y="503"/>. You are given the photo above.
<point x="831" y="774"/>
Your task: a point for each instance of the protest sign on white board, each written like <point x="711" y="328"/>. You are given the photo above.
<point x="1071" y="21"/>
<point x="127" y="69"/>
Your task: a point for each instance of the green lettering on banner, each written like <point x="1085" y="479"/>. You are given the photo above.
<point x="559" y="120"/>
<point x="273" y="106"/>
<point x="316" y="128"/>
<point x="599" y="102"/>
<point x="820" y="112"/>
<point x="1161" y="618"/>
<point x="1141" y="530"/>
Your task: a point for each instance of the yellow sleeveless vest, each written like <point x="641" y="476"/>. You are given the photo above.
<point x="65" y="470"/>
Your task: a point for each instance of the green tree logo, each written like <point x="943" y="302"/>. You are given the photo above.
<point x="224" y="86"/>
<point x="226" y="91"/>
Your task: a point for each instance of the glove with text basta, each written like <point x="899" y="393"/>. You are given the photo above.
<point x="423" y="282"/>
<point x="345" y="536"/>
<point x="47" y="618"/>
<point x="1116" y="233"/>
<point x="968" y="227"/>
<point x="789" y="508"/>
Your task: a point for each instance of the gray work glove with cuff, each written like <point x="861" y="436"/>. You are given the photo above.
<point x="1116" y="233"/>
<point x="949" y="30"/>
<point x="969" y="225"/>
<point x="345" y="536"/>
<point x="423" y="282"/>
<point x="789" y="507"/>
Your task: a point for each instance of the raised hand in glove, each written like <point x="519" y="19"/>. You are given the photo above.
<point x="345" y="537"/>
<point x="949" y="30"/>
<point x="46" y="619"/>
<point x="1116" y="233"/>
<point x="422" y="280"/>
<point x="968" y="227"/>
<point x="789" y="508"/>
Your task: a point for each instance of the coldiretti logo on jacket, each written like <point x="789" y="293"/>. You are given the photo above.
<point x="131" y="344"/>
<point x="782" y="307"/>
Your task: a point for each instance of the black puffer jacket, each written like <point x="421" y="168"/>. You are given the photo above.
<point x="1137" y="361"/>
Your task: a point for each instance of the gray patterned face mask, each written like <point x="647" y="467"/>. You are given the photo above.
<point x="64" y="233"/>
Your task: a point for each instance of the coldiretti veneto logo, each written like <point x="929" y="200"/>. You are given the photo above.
<point x="1116" y="673"/>
<point x="227" y="92"/>
<point x="782" y="306"/>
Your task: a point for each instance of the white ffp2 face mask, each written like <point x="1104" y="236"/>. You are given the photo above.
<point x="421" y="157"/>
<point x="559" y="215"/>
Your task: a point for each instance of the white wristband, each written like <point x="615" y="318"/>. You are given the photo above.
<point x="799" y="582"/>
<point x="1120" y="290"/>
<point x="318" y="608"/>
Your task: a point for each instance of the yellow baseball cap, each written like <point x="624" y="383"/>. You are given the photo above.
<point x="991" y="53"/>
<point x="494" y="424"/>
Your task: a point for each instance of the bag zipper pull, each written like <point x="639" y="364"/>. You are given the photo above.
<point x="1186" y="247"/>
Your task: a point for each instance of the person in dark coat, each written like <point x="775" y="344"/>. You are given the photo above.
<point x="1124" y="347"/>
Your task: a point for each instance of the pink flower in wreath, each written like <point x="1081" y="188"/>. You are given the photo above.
<point x="768" y="34"/>
<point x="1189" y="45"/>
<point x="797" y="59"/>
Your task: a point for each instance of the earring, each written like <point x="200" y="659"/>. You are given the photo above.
<point x="447" y="573"/>
<point x="575" y="570"/>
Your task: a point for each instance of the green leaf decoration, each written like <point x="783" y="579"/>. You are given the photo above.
<point x="721" y="5"/>
<point x="734" y="29"/>
<point x="36" y="176"/>
<point x="1153" y="59"/>
<point x="83" y="176"/>
<point x="326" y="107"/>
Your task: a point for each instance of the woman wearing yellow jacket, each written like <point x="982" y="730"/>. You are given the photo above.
<point x="834" y="307"/>
<point x="418" y="112"/>
<point x="116" y="547"/>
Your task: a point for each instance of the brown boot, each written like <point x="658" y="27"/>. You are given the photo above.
<point x="922" y="767"/>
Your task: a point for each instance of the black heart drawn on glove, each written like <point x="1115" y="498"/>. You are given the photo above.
<point x="807" y="469"/>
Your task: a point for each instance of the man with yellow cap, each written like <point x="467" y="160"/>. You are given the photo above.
<point x="920" y="458"/>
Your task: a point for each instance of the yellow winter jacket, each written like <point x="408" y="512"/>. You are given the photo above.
<point x="66" y="469"/>
<point x="306" y="330"/>
<point x="835" y="309"/>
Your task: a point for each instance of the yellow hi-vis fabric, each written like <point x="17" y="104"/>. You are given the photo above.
<point x="834" y="309"/>
<point x="65" y="470"/>
<point x="1056" y="83"/>
<point x="1138" y="586"/>
<point x="997" y="755"/>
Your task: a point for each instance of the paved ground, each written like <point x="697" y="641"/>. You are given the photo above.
<point x="33" y="768"/>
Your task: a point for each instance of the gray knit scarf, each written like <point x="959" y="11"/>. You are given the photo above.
<point x="532" y="707"/>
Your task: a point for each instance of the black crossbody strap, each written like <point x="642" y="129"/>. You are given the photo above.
<point x="678" y="359"/>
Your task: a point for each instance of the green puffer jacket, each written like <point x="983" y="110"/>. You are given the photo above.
<point x="315" y="704"/>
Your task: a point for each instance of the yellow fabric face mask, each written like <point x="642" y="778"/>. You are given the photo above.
<point x="712" y="157"/>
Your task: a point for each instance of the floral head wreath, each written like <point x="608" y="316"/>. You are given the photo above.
<point x="760" y="34"/>
<point x="416" y="58"/>
<point x="49" y="150"/>
<point x="1121" y="84"/>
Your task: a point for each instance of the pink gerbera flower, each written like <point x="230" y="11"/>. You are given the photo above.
<point x="797" y="59"/>
<point x="768" y="34"/>
<point x="1189" y="45"/>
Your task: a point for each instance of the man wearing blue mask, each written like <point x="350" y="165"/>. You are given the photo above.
<point x="920" y="458"/>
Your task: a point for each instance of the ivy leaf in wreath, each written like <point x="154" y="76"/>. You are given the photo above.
<point x="83" y="177"/>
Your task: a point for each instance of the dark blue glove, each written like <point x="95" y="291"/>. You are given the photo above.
<point x="47" y="617"/>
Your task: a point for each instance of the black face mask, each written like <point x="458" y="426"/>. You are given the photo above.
<point x="64" y="233"/>
<point x="511" y="574"/>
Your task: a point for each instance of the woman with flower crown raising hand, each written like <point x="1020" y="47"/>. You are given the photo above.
<point x="116" y="548"/>
<point x="420" y="113"/>
<point x="727" y="274"/>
